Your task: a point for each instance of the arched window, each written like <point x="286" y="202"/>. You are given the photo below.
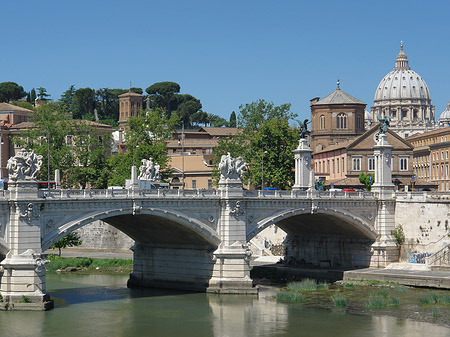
<point x="342" y="121"/>
<point x="322" y="122"/>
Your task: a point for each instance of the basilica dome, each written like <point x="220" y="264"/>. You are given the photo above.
<point x="402" y="83"/>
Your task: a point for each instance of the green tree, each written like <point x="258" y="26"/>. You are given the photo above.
<point x="216" y="121"/>
<point x="83" y="103"/>
<point x="11" y="91"/>
<point x="42" y="93"/>
<point x="367" y="180"/>
<point x="266" y="142"/>
<point x="71" y="240"/>
<point x="253" y="115"/>
<point x="162" y="95"/>
<point x="187" y="105"/>
<point x="48" y="138"/>
<point x="66" y="99"/>
<point x="233" y="122"/>
<point x="25" y="105"/>
<point x="199" y="117"/>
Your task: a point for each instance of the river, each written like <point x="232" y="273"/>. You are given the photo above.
<point x="102" y="305"/>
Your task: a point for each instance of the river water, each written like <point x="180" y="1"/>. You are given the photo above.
<point x="101" y="305"/>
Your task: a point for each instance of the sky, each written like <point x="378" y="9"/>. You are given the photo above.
<point x="226" y="53"/>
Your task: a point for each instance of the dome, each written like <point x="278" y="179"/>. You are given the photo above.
<point x="445" y="115"/>
<point x="402" y="83"/>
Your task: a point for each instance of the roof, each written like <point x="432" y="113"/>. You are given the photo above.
<point x="11" y="107"/>
<point x="29" y="125"/>
<point x="130" y="93"/>
<point x="217" y="131"/>
<point x="339" y="97"/>
<point x="445" y="130"/>
<point x="190" y="143"/>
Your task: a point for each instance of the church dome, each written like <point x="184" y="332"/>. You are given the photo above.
<point x="402" y="83"/>
<point x="445" y="116"/>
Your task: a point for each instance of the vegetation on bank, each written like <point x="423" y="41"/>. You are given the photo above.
<point x="88" y="264"/>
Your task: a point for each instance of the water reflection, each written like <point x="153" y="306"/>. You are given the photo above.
<point x="101" y="305"/>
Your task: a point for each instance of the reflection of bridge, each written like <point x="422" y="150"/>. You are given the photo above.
<point x="188" y="239"/>
<point x="198" y="239"/>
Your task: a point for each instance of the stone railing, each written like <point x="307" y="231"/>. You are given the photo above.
<point x="440" y="258"/>
<point x="198" y="193"/>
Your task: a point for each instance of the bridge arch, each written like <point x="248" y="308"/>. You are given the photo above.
<point x="357" y="223"/>
<point x="200" y="230"/>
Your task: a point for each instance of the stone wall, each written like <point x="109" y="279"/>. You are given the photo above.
<point x="100" y="236"/>
<point x="425" y="223"/>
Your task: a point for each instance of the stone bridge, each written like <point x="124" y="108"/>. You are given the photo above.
<point x="196" y="240"/>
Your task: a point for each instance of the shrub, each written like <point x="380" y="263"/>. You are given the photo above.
<point x="25" y="299"/>
<point x="399" y="235"/>
<point x="394" y="301"/>
<point x="339" y="300"/>
<point x="290" y="296"/>
<point x="444" y="299"/>
<point x="383" y="293"/>
<point x="323" y="286"/>
<point x="430" y="298"/>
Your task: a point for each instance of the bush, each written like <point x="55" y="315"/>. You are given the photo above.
<point x="289" y="296"/>
<point x="383" y="293"/>
<point x="57" y="262"/>
<point x="394" y="301"/>
<point x="430" y="298"/>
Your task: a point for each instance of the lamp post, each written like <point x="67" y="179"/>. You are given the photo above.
<point x="181" y="142"/>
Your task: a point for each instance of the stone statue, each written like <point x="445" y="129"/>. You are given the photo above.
<point x="384" y="124"/>
<point x="231" y="168"/>
<point x="24" y="165"/>
<point x="303" y="128"/>
<point x="149" y="171"/>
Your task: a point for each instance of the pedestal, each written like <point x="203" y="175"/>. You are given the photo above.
<point x="302" y="157"/>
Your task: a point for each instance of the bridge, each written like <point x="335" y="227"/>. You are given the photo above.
<point x="193" y="239"/>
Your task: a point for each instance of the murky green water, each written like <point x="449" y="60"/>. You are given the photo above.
<point x="101" y="305"/>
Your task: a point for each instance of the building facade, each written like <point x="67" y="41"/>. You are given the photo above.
<point x="336" y="118"/>
<point x="130" y="105"/>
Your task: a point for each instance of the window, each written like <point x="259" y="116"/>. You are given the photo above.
<point x="446" y="154"/>
<point x="194" y="183"/>
<point x="442" y="155"/>
<point x="337" y="165"/>
<point x="356" y="163"/>
<point x="403" y="163"/>
<point x="322" y="122"/>
<point x="209" y="184"/>
<point x="371" y="163"/>
<point x="341" y="121"/>
<point x="433" y="156"/>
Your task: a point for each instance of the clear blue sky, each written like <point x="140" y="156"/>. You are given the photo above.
<point x="226" y="53"/>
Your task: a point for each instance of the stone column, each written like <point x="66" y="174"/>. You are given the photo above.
<point x="23" y="278"/>
<point x="385" y="248"/>
<point x="231" y="272"/>
<point x="303" y="155"/>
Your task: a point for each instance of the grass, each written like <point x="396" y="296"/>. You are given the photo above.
<point x="394" y="301"/>
<point x="436" y="313"/>
<point x="339" y="300"/>
<point x="430" y="298"/>
<point x="290" y="296"/>
<point x="383" y="293"/>
<point x="57" y="262"/>
<point x="25" y="299"/>
<point x="375" y="303"/>
<point x="307" y="284"/>
<point x="349" y="286"/>
<point x="401" y="288"/>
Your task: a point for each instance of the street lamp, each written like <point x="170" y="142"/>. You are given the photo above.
<point x="262" y="169"/>
<point x="181" y="142"/>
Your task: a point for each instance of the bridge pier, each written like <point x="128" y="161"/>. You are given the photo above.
<point x="385" y="249"/>
<point x="22" y="277"/>
<point x="231" y="272"/>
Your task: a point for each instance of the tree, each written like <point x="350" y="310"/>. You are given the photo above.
<point x="266" y="143"/>
<point x="42" y="93"/>
<point x="253" y="115"/>
<point x="11" y="91"/>
<point x="162" y="95"/>
<point x="233" y="122"/>
<point x="146" y="137"/>
<point x="31" y="96"/>
<point x="67" y="98"/>
<point x="187" y="105"/>
<point x="217" y="121"/>
<point x="367" y="180"/>
<point x="25" y="105"/>
<point x="83" y="103"/>
<point x="48" y="138"/>
<point x="71" y="240"/>
<point x="199" y="117"/>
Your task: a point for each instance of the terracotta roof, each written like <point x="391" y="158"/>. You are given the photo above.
<point x="188" y="142"/>
<point x="11" y="107"/>
<point x="216" y="131"/>
<point x="129" y="93"/>
<point x="27" y="125"/>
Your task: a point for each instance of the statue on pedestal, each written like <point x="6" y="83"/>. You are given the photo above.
<point x="149" y="170"/>
<point x="231" y="168"/>
<point x="24" y="165"/>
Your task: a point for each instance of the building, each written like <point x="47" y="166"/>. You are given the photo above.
<point x="431" y="158"/>
<point x="130" y="105"/>
<point x="336" y="118"/>
<point x="190" y="155"/>
<point x="10" y="115"/>
<point x="404" y="96"/>
<point x="342" y="164"/>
